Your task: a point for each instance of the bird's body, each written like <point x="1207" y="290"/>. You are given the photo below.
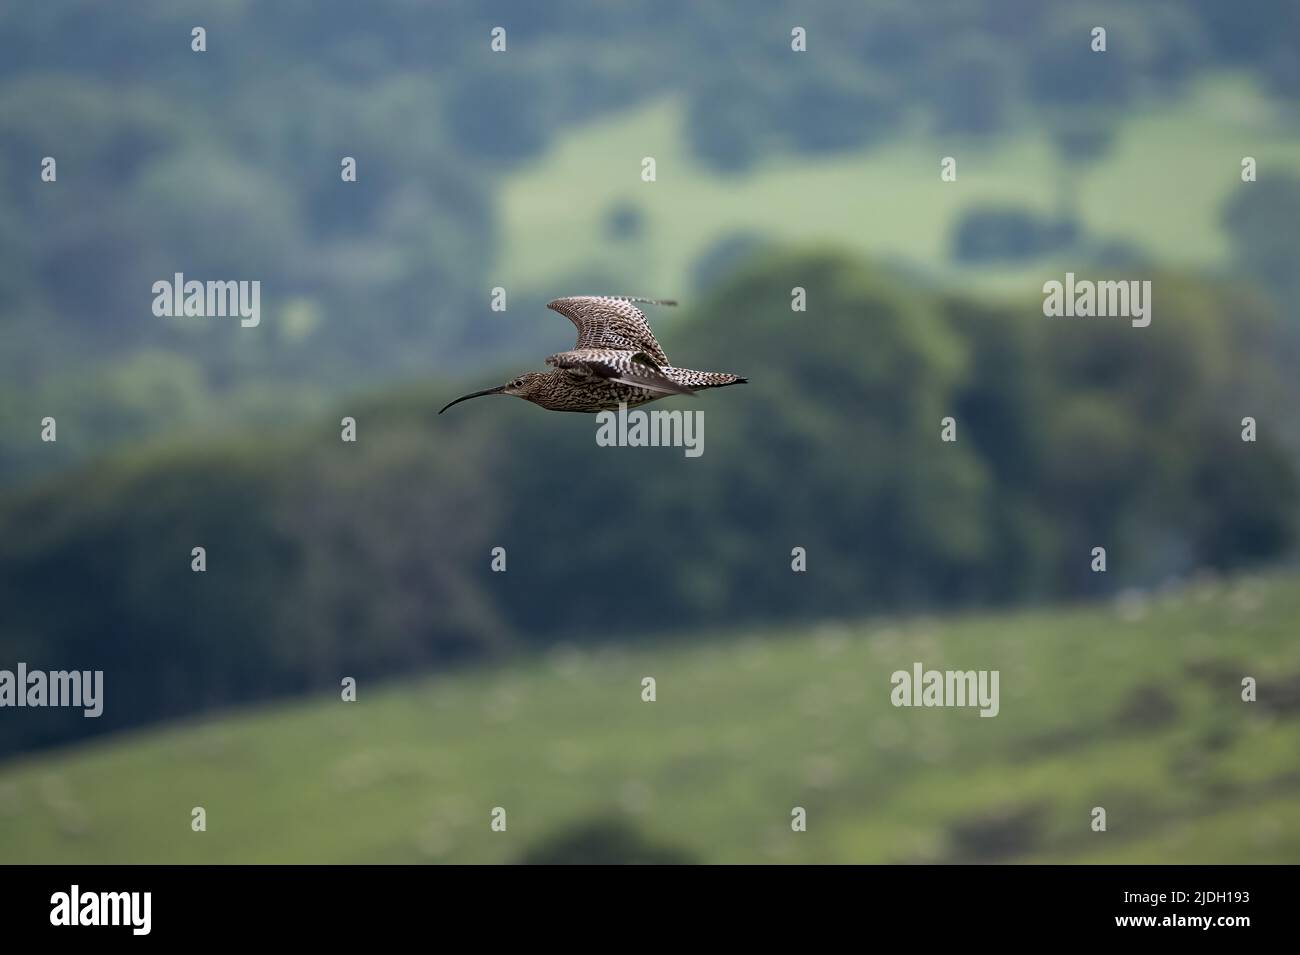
<point x="583" y="380"/>
<point x="616" y="361"/>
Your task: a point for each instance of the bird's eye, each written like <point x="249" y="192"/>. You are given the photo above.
<point x="517" y="383"/>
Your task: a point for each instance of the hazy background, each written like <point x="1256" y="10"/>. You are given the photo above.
<point x="775" y="169"/>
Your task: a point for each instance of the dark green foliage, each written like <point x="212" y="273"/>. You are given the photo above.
<point x="724" y="257"/>
<point x="625" y="220"/>
<point x="728" y="124"/>
<point x="973" y="88"/>
<point x="822" y="111"/>
<point x="996" y="834"/>
<point x="603" y="842"/>
<point x="1066" y="72"/>
<point x="1146" y="708"/>
<point x="1261" y="219"/>
<point x="497" y="113"/>
<point x="1010" y="234"/>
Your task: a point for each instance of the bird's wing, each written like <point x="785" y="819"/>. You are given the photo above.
<point x="612" y="321"/>
<point x="626" y="367"/>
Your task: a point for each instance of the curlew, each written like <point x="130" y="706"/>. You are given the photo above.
<point x="615" y="361"/>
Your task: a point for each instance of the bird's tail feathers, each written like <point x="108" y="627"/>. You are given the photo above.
<point x="645" y="301"/>
<point x="699" y="380"/>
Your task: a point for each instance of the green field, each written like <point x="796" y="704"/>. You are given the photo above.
<point x="1133" y="706"/>
<point x="1161" y="188"/>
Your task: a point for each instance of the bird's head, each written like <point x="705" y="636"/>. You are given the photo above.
<point x="524" y="386"/>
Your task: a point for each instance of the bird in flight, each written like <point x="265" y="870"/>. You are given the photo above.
<point x="616" y="360"/>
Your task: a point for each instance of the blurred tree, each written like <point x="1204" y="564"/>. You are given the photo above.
<point x="624" y="220"/>
<point x="724" y="257"/>
<point x="497" y="112"/>
<point x="825" y="107"/>
<point x="992" y="234"/>
<point x="1065" y="71"/>
<point x="603" y="842"/>
<point x="728" y="124"/>
<point x="1261" y="219"/>
<point x="1080" y="141"/>
<point x="973" y="87"/>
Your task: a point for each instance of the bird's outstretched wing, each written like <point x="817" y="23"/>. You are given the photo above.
<point x="612" y="321"/>
<point x="626" y="367"/>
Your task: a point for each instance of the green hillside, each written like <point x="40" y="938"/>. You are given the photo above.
<point x="1134" y="706"/>
<point x="1161" y="187"/>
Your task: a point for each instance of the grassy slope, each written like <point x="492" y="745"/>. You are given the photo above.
<point x="1161" y="188"/>
<point x="743" y="730"/>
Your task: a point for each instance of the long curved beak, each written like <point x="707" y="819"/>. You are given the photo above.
<point x="478" y="394"/>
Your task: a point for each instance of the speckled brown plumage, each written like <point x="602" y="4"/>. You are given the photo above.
<point x="616" y="360"/>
